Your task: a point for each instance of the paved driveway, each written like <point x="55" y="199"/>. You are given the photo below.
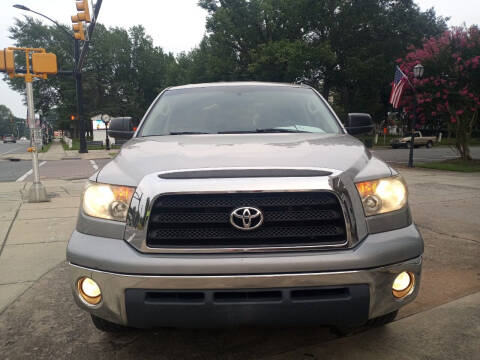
<point x="41" y="321"/>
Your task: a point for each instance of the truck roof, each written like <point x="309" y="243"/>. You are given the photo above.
<point x="236" y="83"/>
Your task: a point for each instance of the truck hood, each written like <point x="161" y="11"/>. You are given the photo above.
<point x="143" y="156"/>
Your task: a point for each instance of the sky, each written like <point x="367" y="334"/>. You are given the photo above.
<point x="175" y="25"/>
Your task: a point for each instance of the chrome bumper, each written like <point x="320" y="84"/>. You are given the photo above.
<point x="113" y="286"/>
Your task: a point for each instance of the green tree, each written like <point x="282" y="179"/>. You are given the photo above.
<point x="6" y="119"/>
<point x="450" y="88"/>
<point x="122" y="74"/>
<point x="345" y="48"/>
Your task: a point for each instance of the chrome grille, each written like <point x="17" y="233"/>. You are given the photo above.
<point x="202" y="220"/>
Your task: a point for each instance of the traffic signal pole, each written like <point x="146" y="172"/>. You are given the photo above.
<point x="39" y="64"/>
<point x="79" y="91"/>
<point x="82" y="17"/>
<point x="37" y="192"/>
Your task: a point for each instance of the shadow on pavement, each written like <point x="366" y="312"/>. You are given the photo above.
<point x="44" y="323"/>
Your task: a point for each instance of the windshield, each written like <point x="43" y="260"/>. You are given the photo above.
<point x="239" y="109"/>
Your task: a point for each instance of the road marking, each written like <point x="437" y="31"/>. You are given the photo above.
<point x="29" y="172"/>
<point x="95" y="166"/>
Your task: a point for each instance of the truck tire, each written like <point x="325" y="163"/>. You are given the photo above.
<point x="107" y="326"/>
<point x="408" y="145"/>
<point x="429" y="144"/>
<point x="346" y="330"/>
<point x="382" y="320"/>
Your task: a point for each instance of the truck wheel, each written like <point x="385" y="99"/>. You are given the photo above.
<point x="382" y="320"/>
<point x="107" y="326"/>
<point x="429" y="144"/>
<point x="408" y="145"/>
<point x="346" y="330"/>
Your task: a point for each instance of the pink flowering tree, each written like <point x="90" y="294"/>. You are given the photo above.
<point x="450" y="88"/>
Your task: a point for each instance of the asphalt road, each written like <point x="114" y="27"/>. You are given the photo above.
<point x="400" y="156"/>
<point x="82" y="169"/>
<point x="10" y="148"/>
<point x="60" y="169"/>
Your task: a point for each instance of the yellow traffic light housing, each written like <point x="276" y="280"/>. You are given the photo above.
<point x="2" y="61"/>
<point x="78" y="31"/>
<point x="83" y="10"/>
<point x="44" y="63"/>
<point x="9" y="61"/>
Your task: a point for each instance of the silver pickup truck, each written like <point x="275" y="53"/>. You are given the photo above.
<point x="243" y="203"/>
<point x="418" y="140"/>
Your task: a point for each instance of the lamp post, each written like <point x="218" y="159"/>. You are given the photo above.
<point x="106" y="121"/>
<point x="77" y="75"/>
<point x="418" y="71"/>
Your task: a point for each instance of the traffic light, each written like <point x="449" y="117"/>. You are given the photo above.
<point x="2" y="61"/>
<point x="9" y="61"/>
<point x="83" y="13"/>
<point x="44" y="63"/>
<point x="78" y="31"/>
<point x="72" y="117"/>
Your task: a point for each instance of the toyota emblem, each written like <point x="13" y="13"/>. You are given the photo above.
<point x="246" y="218"/>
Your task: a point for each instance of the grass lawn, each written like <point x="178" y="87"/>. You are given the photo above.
<point x="45" y="148"/>
<point x="453" y="165"/>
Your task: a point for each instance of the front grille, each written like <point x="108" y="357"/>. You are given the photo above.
<point x="203" y="220"/>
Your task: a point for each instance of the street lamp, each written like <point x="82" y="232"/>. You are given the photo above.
<point x="418" y="71"/>
<point x="106" y="121"/>
<point x="24" y="8"/>
<point x="76" y="73"/>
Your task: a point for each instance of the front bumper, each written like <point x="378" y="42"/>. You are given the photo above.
<point x="343" y="297"/>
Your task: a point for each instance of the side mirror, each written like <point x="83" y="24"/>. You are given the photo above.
<point x="121" y="128"/>
<point x="358" y="123"/>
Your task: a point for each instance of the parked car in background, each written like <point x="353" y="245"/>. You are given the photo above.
<point x="420" y="140"/>
<point x="23" y="138"/>
<point x="9" y="138"/>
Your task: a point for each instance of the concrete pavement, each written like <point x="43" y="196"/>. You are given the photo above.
<point x="450" y="331"/>
<point x="38" y="317"/>
<point x="33" y="237"/>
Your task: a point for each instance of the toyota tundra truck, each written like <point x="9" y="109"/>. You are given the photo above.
<point x="243" y="203"/>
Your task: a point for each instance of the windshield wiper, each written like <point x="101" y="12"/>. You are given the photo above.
<point x="280" y="130"/>
<point x="268" y="130"/>
<point x="237" y="132"/>
<point x="187" y="133"/>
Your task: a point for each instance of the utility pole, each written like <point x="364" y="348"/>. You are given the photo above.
<point x="79" y="91"/>
<point x="82" y="17"/>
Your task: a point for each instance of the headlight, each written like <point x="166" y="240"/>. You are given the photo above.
<point x="107" y="201"/>
<point x="383" y="195"/>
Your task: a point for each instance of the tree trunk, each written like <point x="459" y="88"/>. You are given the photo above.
<point x="464" y="132"/>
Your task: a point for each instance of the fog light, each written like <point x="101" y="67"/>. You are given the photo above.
<point x="89" y="291"/>
<point x="403" y="284"/>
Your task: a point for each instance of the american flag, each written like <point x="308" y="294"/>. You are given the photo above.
<point x="397" y="88"/>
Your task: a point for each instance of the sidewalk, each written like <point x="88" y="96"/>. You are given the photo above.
<point x="56" y="152"/>
<point x="450" y="331"/>
<point x="33" y="237"/>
